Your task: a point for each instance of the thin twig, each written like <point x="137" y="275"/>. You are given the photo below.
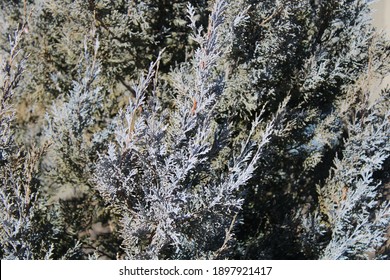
<point x="274" y="14"/>
<point x="227" y="237"/>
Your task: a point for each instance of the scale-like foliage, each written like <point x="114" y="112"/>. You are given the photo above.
<point x="256" y="132"/>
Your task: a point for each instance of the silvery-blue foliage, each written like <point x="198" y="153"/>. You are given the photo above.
<point x="351" y="196"/>
<point x="160" y="170"/>
<point x="24" y="231"/>
<point x="257" y="132"/>
<point x="69" y="125"/>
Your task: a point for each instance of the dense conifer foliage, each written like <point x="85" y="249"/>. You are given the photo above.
<point x="193" y="130"/>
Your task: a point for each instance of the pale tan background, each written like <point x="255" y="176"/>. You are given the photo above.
<point x="381" y="10"/>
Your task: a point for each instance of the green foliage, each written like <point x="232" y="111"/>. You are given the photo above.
<point x="193" y="129"/>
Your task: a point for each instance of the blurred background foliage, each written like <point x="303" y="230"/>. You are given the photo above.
<point x="307" y="67"/>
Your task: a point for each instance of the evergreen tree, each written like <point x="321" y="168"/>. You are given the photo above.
<point x="193" y="129"/>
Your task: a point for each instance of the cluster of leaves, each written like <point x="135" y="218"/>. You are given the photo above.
<point x="193" y="129"/>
